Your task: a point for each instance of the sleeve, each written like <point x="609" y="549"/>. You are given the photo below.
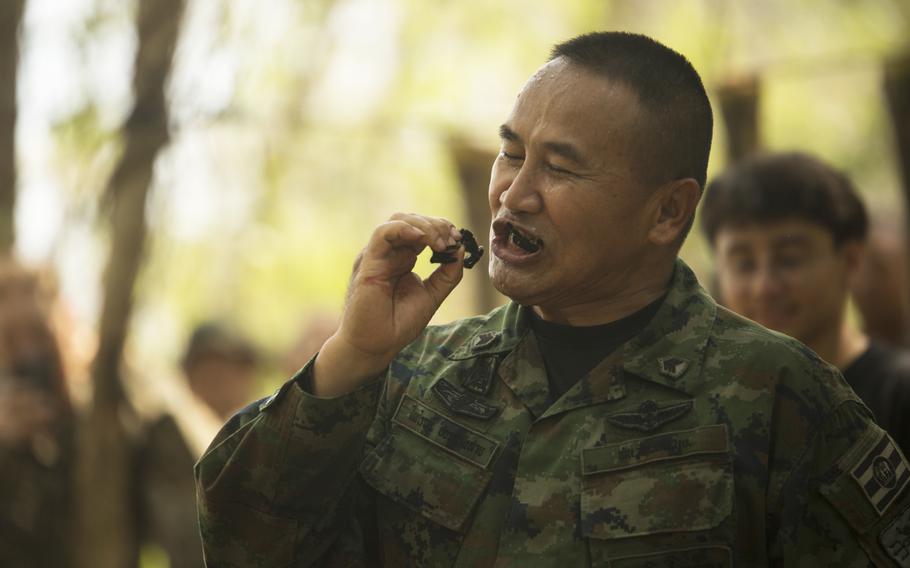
<point x="846" y="502"/>
<point x="898" y="395"/>
<point x="279" y="486"/>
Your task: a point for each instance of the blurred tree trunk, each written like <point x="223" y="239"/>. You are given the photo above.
<point x="10" y="19"/>
<point x="473" y="166"/>
<point x="108" y="523"/>
<point x="739" y="101"/>
<point x="897" y="91"/>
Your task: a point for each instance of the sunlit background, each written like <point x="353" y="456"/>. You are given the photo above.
<point x="297" y="126"/>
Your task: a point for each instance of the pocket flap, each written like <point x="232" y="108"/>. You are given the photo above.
<point x="673" y="482"/>
<point x="431" y="464"/>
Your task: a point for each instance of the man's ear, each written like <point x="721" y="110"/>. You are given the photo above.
<point x="674" y="208"/>
<point x="854" y="253"/>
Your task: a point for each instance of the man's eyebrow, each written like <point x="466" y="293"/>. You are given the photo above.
<point x="739" y="248"/>
<point x="563" y="149"/>
<point x="507" y="133"/>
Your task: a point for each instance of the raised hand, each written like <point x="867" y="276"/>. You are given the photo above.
<point x="387" y="304"/>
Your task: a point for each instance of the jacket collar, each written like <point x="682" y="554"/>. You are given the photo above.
<point x="669" y="351"/>
<point x="501" y="332"/>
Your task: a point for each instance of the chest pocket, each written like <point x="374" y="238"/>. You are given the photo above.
<point x="431" y="464"/>
<point x="673" y="482"/>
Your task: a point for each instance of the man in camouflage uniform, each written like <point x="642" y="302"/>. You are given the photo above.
<point x="687" y="436"/>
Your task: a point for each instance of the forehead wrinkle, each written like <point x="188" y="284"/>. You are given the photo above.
<point x="543" y="110"/>
<point x="540" y="107"/>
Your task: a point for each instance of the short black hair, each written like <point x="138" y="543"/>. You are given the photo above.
<point x="676" y="142"/>
<point x="215" y="340"/>
<point x="778" y="187"/>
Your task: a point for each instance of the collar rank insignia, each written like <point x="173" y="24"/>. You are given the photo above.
<point x="649" y="415"/>
<point x="485" y="339"/>
<point x="461" y="402"/>
<point x="672" y="367"/>
<point x="480" y="377"/>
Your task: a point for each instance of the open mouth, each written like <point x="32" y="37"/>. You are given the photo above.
<point x="525" y="242"/>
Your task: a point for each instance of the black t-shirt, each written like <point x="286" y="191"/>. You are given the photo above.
<point x="881" y="378"/>
<point x="570" y="352"/>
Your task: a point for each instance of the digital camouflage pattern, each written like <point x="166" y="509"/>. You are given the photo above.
<point x="705" y="441"/>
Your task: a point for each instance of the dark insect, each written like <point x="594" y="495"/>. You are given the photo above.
<point x="473" y="251"/>
<point x="527" y="243"/>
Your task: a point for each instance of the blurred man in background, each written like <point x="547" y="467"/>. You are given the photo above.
<point x="881" y="288"/>
<point x="36" y="428"/>
<point x="788" y="236"/>
<point x="219" y="367"/>
<point x="316" y="328"/>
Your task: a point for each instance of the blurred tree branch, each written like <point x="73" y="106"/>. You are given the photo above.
<point x="10" y="19"/>
<point x="107" y="517"/>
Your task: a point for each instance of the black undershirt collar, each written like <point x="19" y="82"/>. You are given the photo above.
<point x="570" y="352"/>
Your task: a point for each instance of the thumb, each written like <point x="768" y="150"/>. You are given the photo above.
<point x="445" y="278"/>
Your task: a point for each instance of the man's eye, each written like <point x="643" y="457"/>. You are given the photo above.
<point x="556" y="169"/>
<point x="743" y="266"/>
<point x="510" y="157"/>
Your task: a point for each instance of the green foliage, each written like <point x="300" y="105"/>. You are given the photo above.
<point x="340" y="112"/>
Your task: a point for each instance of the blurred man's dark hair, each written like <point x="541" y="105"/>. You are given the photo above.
<point x="675" y="140"/>
<point x="768" y="189"/>
<point x="214" y="340"/>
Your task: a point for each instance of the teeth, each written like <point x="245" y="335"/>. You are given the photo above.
<point x="523" y="242"/>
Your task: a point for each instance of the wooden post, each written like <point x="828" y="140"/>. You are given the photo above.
<point x="897" y="93"/>
<point x="473" y="166"/>
<point x="739" y="106"/>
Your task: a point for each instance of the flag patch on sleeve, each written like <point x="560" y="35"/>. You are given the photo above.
<point x="882" y="473"/>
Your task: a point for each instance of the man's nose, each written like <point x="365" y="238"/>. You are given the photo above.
<point x="523" y="194"/>
<point x="768" y="282"/>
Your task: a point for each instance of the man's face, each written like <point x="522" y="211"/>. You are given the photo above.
<point x="567" y="180"/>
<point x="224" y="385"/>
<point x="787" y="276"/>
<point x="880" y="286"/>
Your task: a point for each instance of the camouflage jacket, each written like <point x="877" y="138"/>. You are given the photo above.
<point x="705" y="441"/>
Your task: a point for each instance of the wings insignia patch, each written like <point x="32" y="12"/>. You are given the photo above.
<point x="461" y="402"/>
<point x="650" y="415"/>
